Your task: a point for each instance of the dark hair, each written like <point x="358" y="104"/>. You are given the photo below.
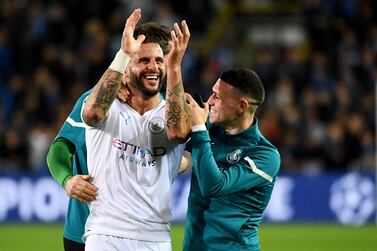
<point x="247" y="82"/>
<point x="155" y="33"/>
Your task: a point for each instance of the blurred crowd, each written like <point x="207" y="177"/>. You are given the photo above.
<point x="320" y="93"/>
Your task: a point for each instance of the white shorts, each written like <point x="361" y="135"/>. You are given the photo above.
<point x="98" y="242"/>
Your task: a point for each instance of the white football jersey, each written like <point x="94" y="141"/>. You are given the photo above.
<point x="134" y="165"/>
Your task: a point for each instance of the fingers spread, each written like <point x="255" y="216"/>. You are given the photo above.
<point x="206" y="106"/>
<point x="89" y="188"/>
<point x="140" y="39"/>
<point x="81" y="189"/>
<point x="188" y="97"/>
<point x="173" y="37"/>
<point x="85" y="193"/>
<point x="178" y="31"/>
<point x="121" y="97"/>
<point x="185" y="29"/>
<point x="134" y="17"/>
<point x="131" y="22"/>
<point x="86" y="197"/>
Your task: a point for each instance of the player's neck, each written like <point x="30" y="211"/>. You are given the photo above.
<point x="142" y="104"/>
<point x="239" y="125"/>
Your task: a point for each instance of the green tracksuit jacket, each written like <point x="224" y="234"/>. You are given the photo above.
<point x="232" y="181"/>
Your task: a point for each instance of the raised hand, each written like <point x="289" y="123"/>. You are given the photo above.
<point x="98" y="104"/>
<point x="180" y="41"/>
<point x="178" y="122"/>
<point x="129" y="44"/>
<point x="198" y="115"/>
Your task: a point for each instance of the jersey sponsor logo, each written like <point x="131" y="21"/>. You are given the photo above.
<point x="139" y="162"/>
<point x="156" y="125"/>
<point x="138" y="150"/>
<point x="234" y="156"/>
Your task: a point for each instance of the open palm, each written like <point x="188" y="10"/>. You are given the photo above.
<point x="180" y="41"/>
<point x="129" y="44"/>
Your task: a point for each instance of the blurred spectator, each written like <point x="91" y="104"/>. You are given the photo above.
<point x="14" y="151"/>
<point x="39" y="143"/>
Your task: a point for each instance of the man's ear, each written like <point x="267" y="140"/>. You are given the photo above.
<point x="243" y="105"/>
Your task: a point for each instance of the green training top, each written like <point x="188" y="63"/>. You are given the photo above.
<point x="73" y="130"/>
<point x="232" y="181"/>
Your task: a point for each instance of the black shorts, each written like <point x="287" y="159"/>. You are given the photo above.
<point x="70" y="245"/>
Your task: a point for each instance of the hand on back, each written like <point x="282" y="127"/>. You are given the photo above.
<point x="79" y="187"/>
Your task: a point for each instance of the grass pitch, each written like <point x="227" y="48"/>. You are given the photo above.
<point x="274" y="237"/>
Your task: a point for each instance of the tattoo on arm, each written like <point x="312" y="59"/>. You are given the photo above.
<point x="178" y="89"/>
<point x="108" y="88"/>
<point x="174" y="113"/>
<point x="179" y="92"/>
<point x="186" y="115"/>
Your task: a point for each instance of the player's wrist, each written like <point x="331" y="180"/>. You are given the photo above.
<point x="120" y="61"/>
<point x="65" y="181"/>
<point x="174" y="68"/>
<point x="199" y="128"/>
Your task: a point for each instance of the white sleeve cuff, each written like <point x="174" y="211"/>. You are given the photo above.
<point x="120" y="61"/>
<point x="198" y="128"/>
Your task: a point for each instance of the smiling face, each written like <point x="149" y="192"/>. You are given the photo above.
<point x="147" y="71"/>
<point x="224" y="104"/>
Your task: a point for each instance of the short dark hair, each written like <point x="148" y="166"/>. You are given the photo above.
<point x="155" y="33"/>
<point x="247" y="82"/>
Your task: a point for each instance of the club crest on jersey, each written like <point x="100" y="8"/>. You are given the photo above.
<point x="156" y="125"/>
<point x="234" y="156"/>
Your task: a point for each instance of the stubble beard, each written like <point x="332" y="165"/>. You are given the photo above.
<point x="138" y="83"/>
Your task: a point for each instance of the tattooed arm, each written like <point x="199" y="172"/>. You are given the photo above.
<point x="97" y="106"/>
<point x="178" y="121"/>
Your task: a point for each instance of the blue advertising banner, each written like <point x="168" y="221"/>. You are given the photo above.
<point x="29" y="198"/>
<point x="348" y="198"/>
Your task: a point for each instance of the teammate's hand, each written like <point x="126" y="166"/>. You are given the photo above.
<point x="198" y="115"/>
<point x="129" y="44"/>
<point x="79" y="187"/>
<point x="124" y="93"/>
<point x="179" y="43"/>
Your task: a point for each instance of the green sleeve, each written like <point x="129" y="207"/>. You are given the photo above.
<point x="59" y="160"/>
<point x="205" y="167"/>
<point x="215" y="181"/>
